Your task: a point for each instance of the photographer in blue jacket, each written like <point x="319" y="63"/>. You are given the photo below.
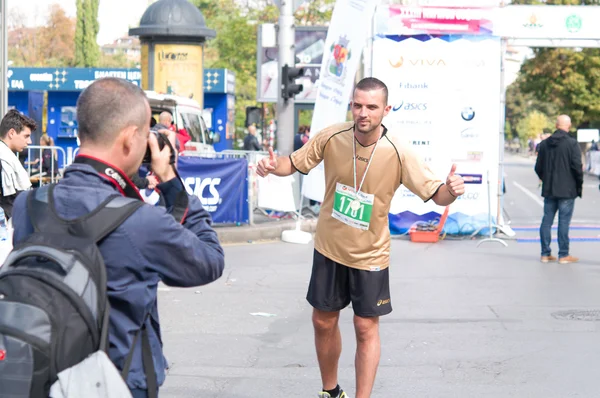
<point x="174" y="244"/>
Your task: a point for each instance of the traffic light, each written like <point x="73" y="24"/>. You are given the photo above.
<point x="254" y="115"/>
<point x="289" y="88"/>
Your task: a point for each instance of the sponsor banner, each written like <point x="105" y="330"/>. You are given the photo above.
<point x="543" y="22"/>
<point x="522" y="22"/>
<point x="64" y="79"/>
<point x="346" y="38"/>
<point x="416" y="20"/>
<point x="472" y="178"/>
<point x="220" y="184"/>
<point x="444" y="96"/>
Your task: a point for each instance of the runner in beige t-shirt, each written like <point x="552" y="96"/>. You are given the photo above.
<point x="352" y="242"/>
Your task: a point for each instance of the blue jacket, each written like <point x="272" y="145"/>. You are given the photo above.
<point x="147" y="248"/>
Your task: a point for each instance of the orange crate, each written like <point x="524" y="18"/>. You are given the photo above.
<point x="429" y="236"/>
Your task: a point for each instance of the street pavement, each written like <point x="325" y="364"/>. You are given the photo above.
<point x="468" y="321"/>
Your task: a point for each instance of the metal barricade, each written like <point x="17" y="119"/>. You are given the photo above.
<point x="38" y="175"/>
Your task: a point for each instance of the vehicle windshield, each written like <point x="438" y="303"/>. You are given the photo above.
<point x="191" y="122"/>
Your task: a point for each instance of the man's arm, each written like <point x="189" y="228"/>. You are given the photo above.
<point x="278" y="165"/>
<point x="303" y="160"/>
<point x="284" y="167"/>
<point x="443" y="197"/>
<point x="139" y="182"/>
<point x="577" y="167"/>
<point x="22" y="228"/>
<point x="255" y="144"/>
<point x="184" y="255"/>
<point x="454" y="187"/>
<point x="540" y="161"/>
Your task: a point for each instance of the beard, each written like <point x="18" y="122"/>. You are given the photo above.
<point x="368" y="128"/>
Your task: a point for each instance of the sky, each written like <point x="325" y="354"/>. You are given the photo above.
<point x="115" y="16"/>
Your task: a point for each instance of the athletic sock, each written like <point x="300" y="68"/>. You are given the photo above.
<point x="334" y="393"/>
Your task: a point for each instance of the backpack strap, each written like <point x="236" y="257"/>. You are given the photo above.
<point x="109" y="215"/>
<point x="147" y="360"/>
<point x="96" y="225"/>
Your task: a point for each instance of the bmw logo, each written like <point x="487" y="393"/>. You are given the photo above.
<point x="467" y="114"/>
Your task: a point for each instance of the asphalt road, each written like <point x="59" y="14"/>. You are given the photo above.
<point x="468" y="321"/>
<point x="524" y="204"/>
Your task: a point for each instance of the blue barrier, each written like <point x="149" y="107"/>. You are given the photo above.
<point x="220" y="184"/>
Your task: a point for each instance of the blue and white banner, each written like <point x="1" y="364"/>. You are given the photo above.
<point x="444" y="92"/>
<point x="220" y="184"/>
<point x="346" y="38"/>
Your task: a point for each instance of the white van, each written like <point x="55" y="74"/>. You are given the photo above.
<point x="187" y="115"/>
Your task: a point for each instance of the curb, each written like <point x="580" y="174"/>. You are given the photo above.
<point x="267" y="231"/>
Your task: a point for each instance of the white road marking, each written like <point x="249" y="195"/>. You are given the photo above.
<point x="529" y="193"/>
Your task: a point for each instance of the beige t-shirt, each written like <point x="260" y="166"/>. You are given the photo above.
<point x="360" y="237"/>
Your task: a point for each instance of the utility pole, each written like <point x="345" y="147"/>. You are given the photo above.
<point x="286" y="37"/>
<point x="3" y="59"/>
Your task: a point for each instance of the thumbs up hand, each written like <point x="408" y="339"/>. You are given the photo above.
<point x="267" y="165"/>
<point x="455" y="183"/>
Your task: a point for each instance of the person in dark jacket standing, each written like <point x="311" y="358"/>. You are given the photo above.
<point x="250" y="140"/>
<point x="560" y="168"/>
<point x="152" y="245"/>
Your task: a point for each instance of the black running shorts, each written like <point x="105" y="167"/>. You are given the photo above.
<point x="333" y="286"/>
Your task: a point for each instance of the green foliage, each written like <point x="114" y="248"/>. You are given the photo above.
<point x="567" y="79"/>
<point x="119" y="60"/>
<point x="556" y="81"/>
<point x="305" y="117"/>
<point x="315" y="13"/>
<point x="235" y="46"/>
<point x="520" y="104"/>
<point x="87" y="52"/>
<point x="533" y="125"/>
<point x="50" y="45"/>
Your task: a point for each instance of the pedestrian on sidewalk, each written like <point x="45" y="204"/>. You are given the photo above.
<point x="559" y="167"/>
<point x="364" y="166"/>
<point x="15" y="135"/>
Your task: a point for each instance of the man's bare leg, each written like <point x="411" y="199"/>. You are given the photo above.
<point x="328" y="342"/>
<point x="368" y="351"/>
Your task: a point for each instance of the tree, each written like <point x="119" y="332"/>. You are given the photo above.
<point x="564" y="80"/>
<point x="520" y="104"/>
<point x="235" y="46"/>
<point x="87" y="53"/>
<point x="317" y="12"/>
<point x="534" y="124"/>
<point x="58" y="37"/>
<point x="119" y="60"/>
<point x="45" y="46"/>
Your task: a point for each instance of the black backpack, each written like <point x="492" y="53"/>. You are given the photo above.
<point x="54" y="309"/>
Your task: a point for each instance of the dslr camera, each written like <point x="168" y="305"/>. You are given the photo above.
<point x="162" y="141"/>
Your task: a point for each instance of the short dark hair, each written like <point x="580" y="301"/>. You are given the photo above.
<point x="372" y="83"/>
<point x="107" y="106"/>
<point x="17" y="121"/>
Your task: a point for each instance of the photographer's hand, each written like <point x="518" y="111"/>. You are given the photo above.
<point x="161" y="165"/>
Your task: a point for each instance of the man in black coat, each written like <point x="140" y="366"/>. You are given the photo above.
<point x="250" y="141"/>
<point x="559" y="167"/>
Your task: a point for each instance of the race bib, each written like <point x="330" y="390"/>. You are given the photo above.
<point x="354" y="216"/>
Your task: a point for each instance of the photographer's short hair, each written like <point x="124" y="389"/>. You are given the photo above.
<point x="17" y="121"/>
<point x="107" y="106"/>
<point x="372" y="83"/>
